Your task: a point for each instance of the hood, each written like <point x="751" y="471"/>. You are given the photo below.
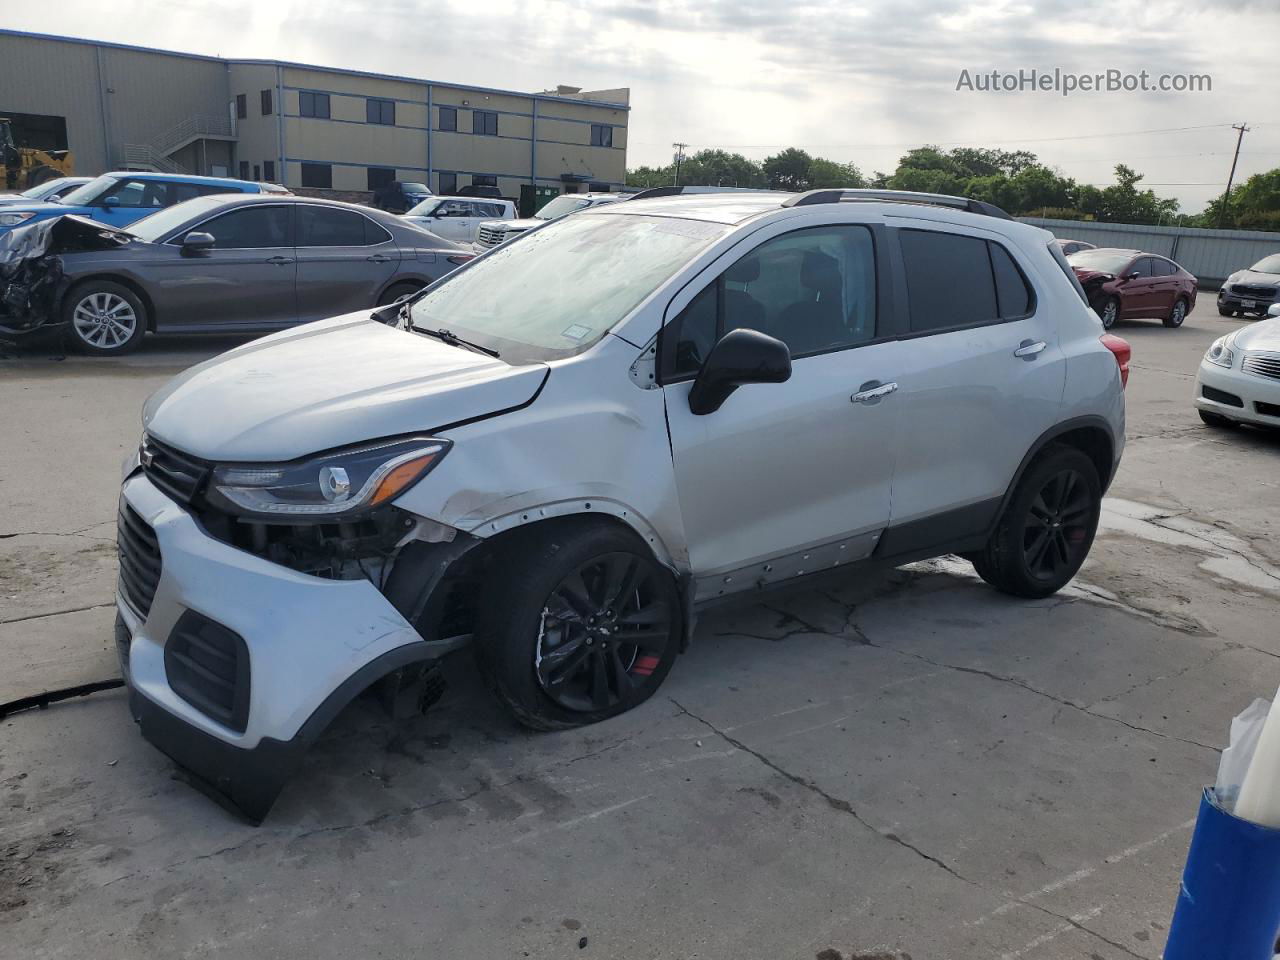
<point x="43" y="209"/>
<point x="1263" y="335"/>
<point x="515" y="226"/>
<point x="328" y="384"/>
<point x="1255" y="278"/>
<point x="1084" y="275"/>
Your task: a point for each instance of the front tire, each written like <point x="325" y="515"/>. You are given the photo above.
<point x="1217" y="420"/>
<point x="1177" y="314"/>
<point x="1226" y="312"/>
<point x="583" y="625"/>
<point x="1047" y="527"/>
<point x="398" y="290"/>
<point x="1110" y="312"/>
<point x="104" y="318"/>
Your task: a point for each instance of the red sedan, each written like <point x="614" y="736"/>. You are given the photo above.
<point x="1132" y="285"/>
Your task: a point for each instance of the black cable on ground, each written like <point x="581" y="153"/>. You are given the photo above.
<point x="41" y="701"/>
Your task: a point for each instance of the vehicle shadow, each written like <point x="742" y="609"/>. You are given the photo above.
<point x="180" y="349"/>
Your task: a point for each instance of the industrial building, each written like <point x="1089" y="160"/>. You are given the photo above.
<point x="308" y="127"/>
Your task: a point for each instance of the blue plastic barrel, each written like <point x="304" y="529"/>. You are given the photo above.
<point x="1229" y="905"/>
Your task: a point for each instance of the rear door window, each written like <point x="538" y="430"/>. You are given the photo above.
<point x="331" y="227"/>
<point x="949" y="280"/>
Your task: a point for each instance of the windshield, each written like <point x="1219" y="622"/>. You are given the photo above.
<point x="557" y="290"/>
<point x="415" y="188"/>
<point x="162" y="222"/>
<point x="41" y="191"/>
<point x="1269" y="264"/>
<point x="1105" y="261"/>
<point x="560" y="206"/>
<point x="87" y="193"/>
<point x="424" y="209"/>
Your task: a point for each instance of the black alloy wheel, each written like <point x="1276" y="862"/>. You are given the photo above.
<point x="1057" y="529"/>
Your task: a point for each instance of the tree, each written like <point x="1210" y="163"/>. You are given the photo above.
<point x="830" y="173"/>
<point x="788" y="170"/>
<point x="720" y="168"/>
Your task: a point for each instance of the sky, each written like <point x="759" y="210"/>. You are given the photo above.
<point x="848" y="80"/>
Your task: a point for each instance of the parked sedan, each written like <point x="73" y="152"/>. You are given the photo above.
<point x="1251" y="291"/>
<point x="214" y="264"/>
<point x="48" y="192"/>
<point x="1073" y="246"/>
<point x="1239" y="377"/>
<point x="1131" y="285"/>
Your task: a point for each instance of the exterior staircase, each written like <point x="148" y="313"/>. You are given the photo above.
<point x="157" y="155"/>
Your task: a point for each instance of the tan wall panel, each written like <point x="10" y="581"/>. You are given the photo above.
<point x="327" y="82"/>
<point x="496" y="155"/>
<point x="325" y="141"/>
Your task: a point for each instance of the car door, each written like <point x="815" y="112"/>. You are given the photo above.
<point x="130" y="199"/>
<point x="1139" y="295"/>
<point x="1164" y="286"/>
<point x="452" y="220"/>
<point x="980" y="380"/>
<point x="789" y="477"/>
<point x="246" y="281"/>
<point x="344" y="260"/>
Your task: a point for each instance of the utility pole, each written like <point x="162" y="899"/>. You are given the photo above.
<point x="1226" y="197"/>
<point x="679" y="148"/>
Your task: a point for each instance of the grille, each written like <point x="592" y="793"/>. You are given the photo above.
<point x="1253" y="292"/>
<point x="1220" y="396"/>
<point x="491" y="236"/>
<point x="1267" y="409"/>
<point x="207" y="665"/>
<point x="178" y="474"/>
<point x="139" y="554"/>
<point x="1262" y="365"/>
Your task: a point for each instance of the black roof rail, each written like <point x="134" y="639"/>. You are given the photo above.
<point x="897" y="196"/>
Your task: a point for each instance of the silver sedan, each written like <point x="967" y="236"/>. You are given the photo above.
<point x="231" y="263"/>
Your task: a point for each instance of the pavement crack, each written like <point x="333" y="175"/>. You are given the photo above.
<point x="58" y="613"/>
<point x="836" y="803"/>
<point x="1081" y="927"/>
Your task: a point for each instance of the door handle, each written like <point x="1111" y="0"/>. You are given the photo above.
<point x="280" y="261"/>
<point x="873" y="391"/>
<point x="379" y="258"/>
<point x="1029" y="349"/>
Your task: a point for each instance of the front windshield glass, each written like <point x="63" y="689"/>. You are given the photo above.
<point x="1106" y="261"/>
<point x="163" y="222"/>
<point x="415" y="188"/>
<point x="88" y="192"/>
<point x="41" y="191"/>
<point x="424" y="209"/>
<point x="1269" y="264"/>
<point x="561" y="205"/>
<point x="556" y="290"/>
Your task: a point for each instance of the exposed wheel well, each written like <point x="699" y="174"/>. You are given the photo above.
<point x="132" y="286"/>
<point x="1093" y="442"/>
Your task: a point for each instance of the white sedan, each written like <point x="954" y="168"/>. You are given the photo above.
<point x="1239" y="378"/>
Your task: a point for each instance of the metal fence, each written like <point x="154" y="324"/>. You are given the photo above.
<point x="1212" y="255"/>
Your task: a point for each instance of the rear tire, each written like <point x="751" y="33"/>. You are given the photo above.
<point x="398" y="290"/>
<point x="582" y="625"/>
<point x="1226" y="312"/>
<point x="1109" y="312"/>
<point x="1217" y="420"/>
<point x="1047" y="527"/>
<point x="1177" y="314"/>
<point x="104" y="318"/>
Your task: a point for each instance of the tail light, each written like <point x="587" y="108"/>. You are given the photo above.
<point x="1120" y="347"/>
<point x="461" y="258"/>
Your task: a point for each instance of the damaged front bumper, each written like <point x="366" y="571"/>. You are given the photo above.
<point x="236" y="664"/>
<point x="32" y="279"/>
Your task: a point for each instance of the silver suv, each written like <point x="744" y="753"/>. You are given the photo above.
<point x="560" y="452"/>
<point x="493" y="232"/>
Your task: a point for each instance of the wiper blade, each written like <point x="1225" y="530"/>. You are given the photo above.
<point x="451" y="338"/>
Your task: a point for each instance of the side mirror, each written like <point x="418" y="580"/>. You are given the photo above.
<point x="1273" y="310"/>
<point x="110" y="202"/>
<point x="741" y="356"/>
<point x="1133" y="276"/>
<point x="195" y="243"/>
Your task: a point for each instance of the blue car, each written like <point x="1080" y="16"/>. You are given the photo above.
<point x="120" y="198"/>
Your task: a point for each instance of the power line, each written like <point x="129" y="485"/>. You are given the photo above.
<point x="1242" y="130"/>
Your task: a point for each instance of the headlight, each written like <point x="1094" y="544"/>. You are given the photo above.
<point x="13" y="219"/>
<point x="330" y="484"/>
<point x="1220" y="352"/>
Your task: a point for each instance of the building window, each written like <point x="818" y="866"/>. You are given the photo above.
<point x="449" y="118"/>
<point x="244" y="169"/>
<point x="484" y="122"/>
<point x="269" y="171"/>
<point x="317" y="175"/>
<point x="242" y="105"/>
<point x="312" y="104"/>
<point x="266" y="103"/>
<point x="598" y="187"/>
<point x="380" y="177"/>
<point x="485" y="180"/>
<point x="381" y="111"/>
<point x="448" y="183"/>
<point x="257" y="173"/>
<point x="601" y="135"/>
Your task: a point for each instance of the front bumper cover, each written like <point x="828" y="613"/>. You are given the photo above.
<point x="313" y="646"/>
<point x="1250" y="390"/>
